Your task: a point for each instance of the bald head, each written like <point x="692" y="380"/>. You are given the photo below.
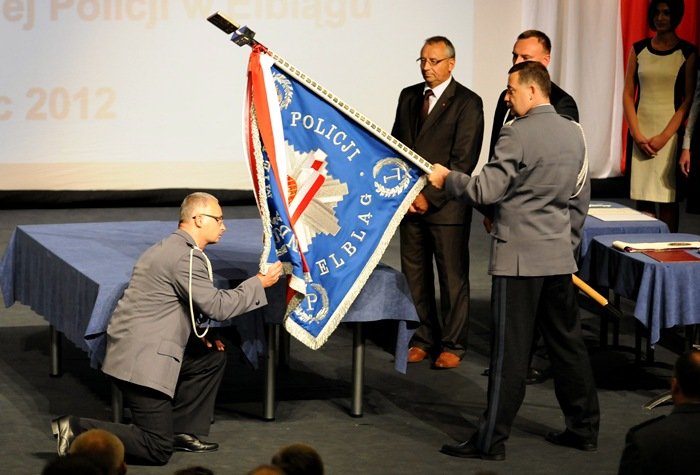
<point x="194" y="203"/>
<point x="685" y="385"/>
<point x="202" y="218"/>
<point x="298" y="459"/>
<point x="103" y="447"/>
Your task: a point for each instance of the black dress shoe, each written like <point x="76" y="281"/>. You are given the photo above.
<point x="469" y="451"/>
<point x="569" y="439"/>
<point x="536" y="376"/>
<point x="190" y="443"/>
<point x="64" y="432"/>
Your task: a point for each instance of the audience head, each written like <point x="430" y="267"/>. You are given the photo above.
<point x="685" y="384"/>
<point x="194" y="470"/>
<point x="103" y="447"/>
<point x="202" y="218"/>
<point x="73" y="464"/>
<point x="665" y="15"/>
<point x="532" y="45"/>
<point x="437" y="60"/>
<point x="266" y="469"/>
<point x="298" y="459"/>
<point x="528" y="86"/>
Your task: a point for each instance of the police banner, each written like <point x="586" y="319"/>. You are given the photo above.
<point x="331" y="188"/>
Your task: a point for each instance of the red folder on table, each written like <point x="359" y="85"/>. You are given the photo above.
<point x="674" y="255"/>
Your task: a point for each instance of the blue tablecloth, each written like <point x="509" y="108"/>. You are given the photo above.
<point x="593" y="227"/>
<point x="74" y="274"/>
<point x="665" y="293"/>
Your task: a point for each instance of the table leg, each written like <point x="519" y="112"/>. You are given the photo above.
<point x="273" y="331"/>
<point x="605" y="311"/>
<point x="650" y="351"/>
<point x="358" y="365"/>
<point x="603" y="328"/>
<point x="650" y="347"/>
<point x="638" y="329"/>
<point x="284" y="348"/>
<point x="616" y="322"/>
<point x="55" y="344"/>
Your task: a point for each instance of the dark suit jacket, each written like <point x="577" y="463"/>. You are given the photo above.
<point x="563" y="103"/>
<point x="451" y="136"/>
<point x="668" y="444"/>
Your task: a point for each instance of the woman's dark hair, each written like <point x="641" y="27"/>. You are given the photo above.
<point x="677" y="8"/>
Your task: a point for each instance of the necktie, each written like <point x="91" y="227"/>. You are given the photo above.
<point x="426" y="105"/>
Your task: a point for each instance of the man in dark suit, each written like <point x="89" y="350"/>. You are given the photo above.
<point x="531" y="45"/>
<point x="443" y="122"/>
<point x="169" y="377"/>
<point x="669" y="444"/>
<point x="538" y="175"/>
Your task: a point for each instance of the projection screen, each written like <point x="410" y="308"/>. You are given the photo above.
<point x="146" y="94"/>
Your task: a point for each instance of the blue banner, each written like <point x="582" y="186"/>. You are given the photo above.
<point x="346" y="192"/>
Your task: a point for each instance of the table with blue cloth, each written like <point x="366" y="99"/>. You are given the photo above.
<point x="594" y="226"/>
<point x="665" y="294"/>
<point x="615" y="218"/>
<point x="74" y="274"/>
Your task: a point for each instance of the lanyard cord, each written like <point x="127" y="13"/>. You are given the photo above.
<point x="189" y="290"/>
<point x="583" y="172"/>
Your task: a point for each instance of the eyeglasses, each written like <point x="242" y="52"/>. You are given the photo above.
<point x="219" y="219"/>
<point x="431" y="61"/>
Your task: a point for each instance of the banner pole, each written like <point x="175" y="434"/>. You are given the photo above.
<point x="242" y="35"/>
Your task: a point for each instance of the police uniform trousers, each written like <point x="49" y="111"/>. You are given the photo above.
<point x="519" y="304"/>
<point x="155" y="417"/>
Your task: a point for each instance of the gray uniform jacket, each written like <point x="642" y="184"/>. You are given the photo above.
<point x="539" y="183"/>
<point x="149" y="329"/>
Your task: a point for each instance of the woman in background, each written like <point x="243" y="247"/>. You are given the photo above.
<point x="690" y="156"/>
<point x="659" y="86"/>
